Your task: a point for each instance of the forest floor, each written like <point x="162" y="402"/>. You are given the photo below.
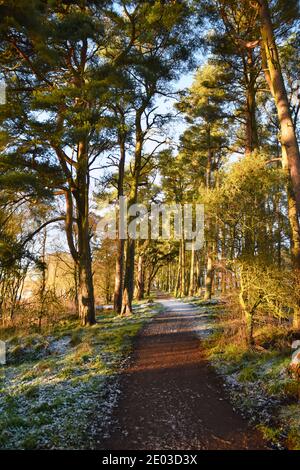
<point x="171" y="398"/>
<point x="163" y="378"/>
<point x="58" y="380"/>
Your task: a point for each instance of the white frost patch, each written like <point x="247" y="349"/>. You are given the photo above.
<point x="140" y="306"/>
<point x="60" y="346"/>
<point x="203" y="330"/>
<point x="151" y="311"/>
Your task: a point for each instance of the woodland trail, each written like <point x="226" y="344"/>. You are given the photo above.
<point x="170" y="396"/>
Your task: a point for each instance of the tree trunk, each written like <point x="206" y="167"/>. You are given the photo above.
<point x="118" y="291"/>
<point x="148" y="290"/>
<point x="295" y="229"/>
<point x="84" y="260"/>
<point x="247" y="315"/>
<point x="288" y="139"/>
<point x="81" y="255"/>
<point x="178" y="275"/>
<point x="209" y="275"/>
<point x="224" y="272"/>
<point x="128" y="279"/>
<point x="76" y="297"/>
<point x="192" y="272"/>
<point x="296" y="318"/>
<point x="198" y="274"/>
<point x="274" y="77"/>
<point x="77" y="194"/>
<point x="42" y="290"/>
<point x="140" y="279"/>
<point x="251" y="124"/>
<point x="130" y="252"/>
<point x="86" y="291"/>
<point x="209" y="265"/>
<point x="249" y="328"/>
<point x="169" y="283"/>
<point x="183" y="269"/>
<point x="86" y="302"/>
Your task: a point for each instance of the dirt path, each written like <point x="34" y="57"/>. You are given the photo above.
<point x="171" y="398"/>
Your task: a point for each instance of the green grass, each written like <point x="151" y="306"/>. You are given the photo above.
<point x="293" y="439"/>
<point x="271" y="434"/>
<point x="248" y="374"/>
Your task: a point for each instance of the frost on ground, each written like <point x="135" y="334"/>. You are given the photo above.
<point x="58" y="391"/>
<point x="261" y="388"/>
<point x="257" y="382"/>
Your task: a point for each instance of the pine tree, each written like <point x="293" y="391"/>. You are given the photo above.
<point x="205" y="139"/>
<point x="163" y="48"/>
<point x="64" y="65"/>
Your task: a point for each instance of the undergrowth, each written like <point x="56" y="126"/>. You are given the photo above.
<point x="257" y="379"/>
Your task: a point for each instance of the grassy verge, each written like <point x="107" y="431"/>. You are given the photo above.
<point x="58" y="389"/>
<point x="257" y="381"/>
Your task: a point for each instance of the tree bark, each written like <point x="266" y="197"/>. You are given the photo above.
<point x="140" y="278"/>
<point x="209" y="264"/>
<point x="224" y="273"/>
<point x="183" y="269"/>
<point x="118" y="289"/>
<point x="76" y="297"/>
<point x="288" y="138"/>
<point x="84" y="260"/>
<point x="178" y="274"/>
<point x="251" y="124"/>
<point x="198" y="275"/>
<point x="192" y="271"/>
<point x="42" y="290"/>
<point x="248" y="315"/>
<point x="169" y="282"/>
<point x="209" y="275"/>
<point x="86" y="290"/>
<point x="120" y="242"/>
<point x="130" y="252"/>
<point x="274" y="77"/>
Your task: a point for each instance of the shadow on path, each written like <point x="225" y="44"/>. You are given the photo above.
<point x="171" y="398"/>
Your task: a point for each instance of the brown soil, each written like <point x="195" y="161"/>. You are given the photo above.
<point x="171" y="398"/>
